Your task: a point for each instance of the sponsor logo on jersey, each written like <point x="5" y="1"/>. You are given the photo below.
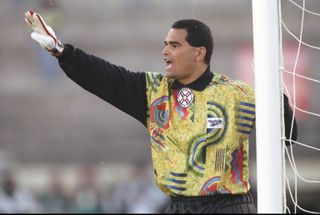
<point x="215" y="122"/>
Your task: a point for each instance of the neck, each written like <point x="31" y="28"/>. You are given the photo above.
<point x="194" y="75"/>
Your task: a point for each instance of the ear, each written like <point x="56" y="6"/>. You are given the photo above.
<point x="200" y="53"/>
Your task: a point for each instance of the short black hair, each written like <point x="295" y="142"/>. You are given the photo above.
<point x="198" y="34"/>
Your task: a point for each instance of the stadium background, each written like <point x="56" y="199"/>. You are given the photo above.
<point x="68" y="151"/>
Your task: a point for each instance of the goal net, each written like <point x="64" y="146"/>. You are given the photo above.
<point x="300" y="82"/>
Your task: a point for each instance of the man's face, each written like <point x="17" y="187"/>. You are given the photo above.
<point x="179" y="56"/>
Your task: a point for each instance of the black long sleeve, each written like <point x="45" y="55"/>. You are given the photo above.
<point x="288" y="114"/>
<point x="118" y="86"/>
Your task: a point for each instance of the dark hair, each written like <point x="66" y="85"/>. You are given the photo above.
<point x="198" y="34"/>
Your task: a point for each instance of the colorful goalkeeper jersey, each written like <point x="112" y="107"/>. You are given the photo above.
<point x="199" y="138"/>
<point x="199" y="132"/>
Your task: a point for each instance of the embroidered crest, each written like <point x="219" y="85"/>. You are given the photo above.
<point x="185" y="97"/>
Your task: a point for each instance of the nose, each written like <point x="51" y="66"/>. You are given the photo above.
<point x="165" y="51"/>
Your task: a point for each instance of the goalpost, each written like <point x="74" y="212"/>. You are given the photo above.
<point x="270" y="183"/>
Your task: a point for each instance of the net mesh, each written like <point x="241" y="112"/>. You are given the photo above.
<point x="295" y="75"/>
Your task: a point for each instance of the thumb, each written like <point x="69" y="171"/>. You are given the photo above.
<point x="45" y="41"/>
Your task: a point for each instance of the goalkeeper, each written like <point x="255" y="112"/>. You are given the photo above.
<point x="199" y="121"/>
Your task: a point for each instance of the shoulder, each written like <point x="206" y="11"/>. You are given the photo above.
<point x="155" y="78"/>
<point x="239" y="87"/>
<point x="244" y="88"/>
<point x="151" y="76"/>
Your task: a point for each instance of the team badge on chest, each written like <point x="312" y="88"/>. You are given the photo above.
<point x="185" y="97"/>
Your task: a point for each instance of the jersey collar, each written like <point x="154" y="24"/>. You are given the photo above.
<point x="199" y="84"/>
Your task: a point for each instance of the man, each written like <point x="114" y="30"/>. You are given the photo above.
<point x="199" y="122"/>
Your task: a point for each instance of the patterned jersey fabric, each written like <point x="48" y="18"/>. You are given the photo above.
<point x="199" y="139"/>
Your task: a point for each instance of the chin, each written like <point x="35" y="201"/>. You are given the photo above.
<point x="170" y="74"/>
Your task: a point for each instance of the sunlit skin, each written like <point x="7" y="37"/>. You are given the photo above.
<point x="183" y="62"/>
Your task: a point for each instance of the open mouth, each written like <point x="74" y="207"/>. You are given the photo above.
<point x="168" y="62"/>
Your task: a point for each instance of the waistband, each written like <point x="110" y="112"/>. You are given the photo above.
<point x="246" y="196"/>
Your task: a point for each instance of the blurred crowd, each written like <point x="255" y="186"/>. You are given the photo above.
<point x="137" y="194"/>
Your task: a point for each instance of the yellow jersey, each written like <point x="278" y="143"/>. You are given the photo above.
<point x="200" y="139"/>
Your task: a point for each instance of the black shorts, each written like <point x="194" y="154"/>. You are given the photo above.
<point x="221" y="204"/>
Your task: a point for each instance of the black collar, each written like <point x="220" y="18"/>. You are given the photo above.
<point x="200" y="84"/>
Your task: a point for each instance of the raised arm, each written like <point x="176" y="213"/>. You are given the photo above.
<point x="122" y="88"/>
<point x="118" y="86"/>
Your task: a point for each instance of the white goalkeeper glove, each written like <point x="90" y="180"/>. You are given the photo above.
<point x="43" y="34"/>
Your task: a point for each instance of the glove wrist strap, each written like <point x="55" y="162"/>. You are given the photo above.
<point x="57" y="50"/>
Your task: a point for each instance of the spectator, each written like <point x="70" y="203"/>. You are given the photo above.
<point x="15" y="199"/>
<point x="55" y="199"/>
<point x="87" y="197"/>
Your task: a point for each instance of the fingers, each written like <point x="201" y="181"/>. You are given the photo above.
<point x="28" y="15"/>
<point x="34" y="20"/>
<point x="28" y="23"/>
<point x="37" y="23"/>
<point x="38" y="20"/>
<point x="29" y="19"/>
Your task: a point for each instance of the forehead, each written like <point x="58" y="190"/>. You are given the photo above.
<point x="177" y="35"/>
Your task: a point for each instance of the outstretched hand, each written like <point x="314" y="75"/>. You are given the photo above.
<point x="43" y="34"/>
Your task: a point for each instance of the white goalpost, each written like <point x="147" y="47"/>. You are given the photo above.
<point x="270" y="183"/>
